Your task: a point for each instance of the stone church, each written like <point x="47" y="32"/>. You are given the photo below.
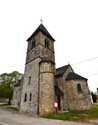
<point x="42" y="84"/>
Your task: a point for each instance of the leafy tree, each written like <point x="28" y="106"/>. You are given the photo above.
<point x="7" y="82"/>
<point x="6" y="92"/>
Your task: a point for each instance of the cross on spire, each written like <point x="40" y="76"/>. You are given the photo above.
<point x="41" y="20"/>
<point x="68" y="62"/>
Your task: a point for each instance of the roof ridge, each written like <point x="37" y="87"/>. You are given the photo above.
<point x="63" y="66"/>
<point x="60" y="71"/>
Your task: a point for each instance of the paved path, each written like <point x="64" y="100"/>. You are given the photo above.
<point x="9" y="118"/>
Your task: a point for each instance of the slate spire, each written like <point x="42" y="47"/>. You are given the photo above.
<point x="41" y="28"/>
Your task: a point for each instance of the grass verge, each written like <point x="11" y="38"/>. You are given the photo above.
<point x="12" y="108"/>
<point x="83" y="116"/>
<point x="3" y="104"/>
<point x="9" y="107"/>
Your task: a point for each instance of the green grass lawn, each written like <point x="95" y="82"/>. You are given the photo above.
<point x="76" y="115"/>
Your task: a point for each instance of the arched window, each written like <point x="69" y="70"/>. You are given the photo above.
<point x="79" y="89"/>
<point x="25" y="97"/>
<point x="30" y="98"/>
<point x="33" y="43"/>
<point x="46" y="43"/>
<point x="29" y="81"/>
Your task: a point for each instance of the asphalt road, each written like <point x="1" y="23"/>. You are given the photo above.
<point x="9" y="118"/>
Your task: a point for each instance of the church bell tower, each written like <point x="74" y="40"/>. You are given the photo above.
<point x="38" y="85"/>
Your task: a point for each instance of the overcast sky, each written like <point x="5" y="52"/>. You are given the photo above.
<point x="72" y="23"/>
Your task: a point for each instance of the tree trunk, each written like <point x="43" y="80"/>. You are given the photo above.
<point x="9" y="101"/>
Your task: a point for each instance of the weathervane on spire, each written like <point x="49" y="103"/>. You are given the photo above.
<point x="41" y="20"/>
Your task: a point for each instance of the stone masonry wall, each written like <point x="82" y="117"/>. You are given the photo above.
<point x="78" y="101"/>
<point x="46" y="88"/>
<point x="17" y="96"/>
<point x="61" y="81"/>
<point x="65" y="102"/>
<point x="39" y="50"/>
<point x="31" y="70"/>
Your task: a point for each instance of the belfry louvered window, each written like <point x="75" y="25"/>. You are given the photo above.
<point x="33" y="43"/>
<point x="46" y="43"/>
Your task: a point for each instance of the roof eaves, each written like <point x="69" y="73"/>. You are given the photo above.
<point x="74" y="76"/>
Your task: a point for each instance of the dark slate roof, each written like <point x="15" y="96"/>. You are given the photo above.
<point x="74" y="76"/>
<point x="42" y="29"/>
<point x="60" y="71"/>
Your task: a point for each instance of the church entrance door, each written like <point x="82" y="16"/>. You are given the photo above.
<point x="59" y="103"/>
